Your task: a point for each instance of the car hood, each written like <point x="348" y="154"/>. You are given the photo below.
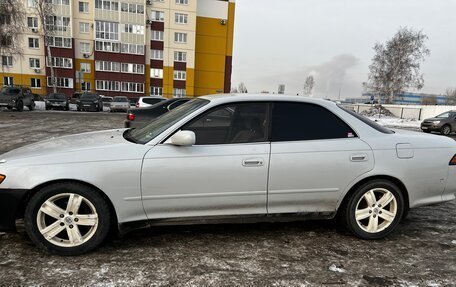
<point x="91" y="144"/>
<point x="434" y="119"/>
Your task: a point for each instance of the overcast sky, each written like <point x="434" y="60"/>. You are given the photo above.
<point x="282" y="42"/>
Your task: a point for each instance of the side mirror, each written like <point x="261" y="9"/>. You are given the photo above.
<point x="183" y="138"/>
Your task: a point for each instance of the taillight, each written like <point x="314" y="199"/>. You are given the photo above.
<point x="453" y="160"/>
<point x="2" y="178"/>
<point x="130" y="117"/>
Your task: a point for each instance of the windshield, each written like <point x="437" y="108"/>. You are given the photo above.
<point x="444" y="115"/>
<point x="120" y="99"/>
<point x="162" y="123"/>
<point x="367" y="121"/>
<point x="8" y="90"/>
<point x="57" y="96"/>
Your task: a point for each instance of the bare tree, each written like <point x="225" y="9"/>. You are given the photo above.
<point x="234" y="90"/>
<point x="12" y="23"/>
<point x="396" y="64"/>
<point x="309" y="85"/>
<point x="45" y="13"/>
<point x="242" y="88"/>
<point x="451" y="96"/>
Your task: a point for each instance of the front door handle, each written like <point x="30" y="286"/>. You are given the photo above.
<point x="358" y="157"/>
<point x="253" y="162"/>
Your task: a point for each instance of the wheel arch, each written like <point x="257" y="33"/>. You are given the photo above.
<point x="392" y="179"/>
<point x="33" y="191"/>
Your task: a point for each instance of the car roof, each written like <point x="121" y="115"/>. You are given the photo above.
<point x="228" y="98"/>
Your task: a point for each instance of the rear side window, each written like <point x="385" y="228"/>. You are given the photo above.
<point x="302" y="121"/>
<point x="151" y="101"/>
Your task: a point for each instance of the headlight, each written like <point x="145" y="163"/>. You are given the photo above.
<point x="436" y="122"/>
<point x="2" y="178"/>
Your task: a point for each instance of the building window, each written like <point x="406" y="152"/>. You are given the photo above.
<point x="35" y="83"/>
<point x="157" y="16"/>
<point x="182" y="2"/>
<point x="180" y="37"/>
<point x="32" y="22"/>
<point x="34" y="43"/>
<point x="156" y="73"/>
<point x="5" y="19"/>
<point x="85" y="67"/>
<point x="7" y="61"/>
<point x="59" y="42"/>
<point x="179" y="93"/>
<point x="132" y="68"/>
<point x="55" y="2"/>
<point x="31" y="3"/>
<point x="106" y="46"/>
<point x="58" y="23"/>
<point x="84" y="27"/>
<point x="156" y="91"/>
<point x="157" y="35"/>
<point x="57" y="62"/>
<point x="180" y="75"/>
<point x="85" y="86"/>
<point x="132" y="8"/>
<point x="107" y="85"/>
<point x="128" y="48"/>
<point x="133" y="29"/>
<point x="180" y="56"/>
<point x="132" y="87"/>
<point x="8" y="81"/>
<point x="107" y="5"/>
<point x="106" y="30"/>
<point x="181" y="18"/>
<point x="83" y="7"/>
<point x="34" y="63"/>
<point x="156" y="54"/>
<point x="106" y="66"/>
<point x="61" y="82"/>
<point x="85" y="47"/>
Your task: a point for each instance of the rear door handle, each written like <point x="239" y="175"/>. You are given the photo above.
<point x="358" y="157"/>
<point x="253" y="162"/>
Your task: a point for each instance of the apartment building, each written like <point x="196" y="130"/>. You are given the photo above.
<point x="172" y="48"/>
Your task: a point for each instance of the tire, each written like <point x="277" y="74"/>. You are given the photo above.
<point x="67" y="108"/>
<point x="77" y="228"/>
<point x="20" y="106"/>
<point x="78" y="109"/>
<point x="445" y="130"/>
<point x="31" y="106"/>
<point x="387" y="216"/>
<point x="47" y="108"/>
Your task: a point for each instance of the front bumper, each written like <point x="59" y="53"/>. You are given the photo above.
<point x="10" y="203"/>
<point x="431" y="127"/>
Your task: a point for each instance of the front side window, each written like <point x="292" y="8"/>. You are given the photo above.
<point x="303" y="121"/>
<point x="233" y="123"/>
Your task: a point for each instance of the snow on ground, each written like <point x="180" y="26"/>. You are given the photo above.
<point x="395" y="122"/>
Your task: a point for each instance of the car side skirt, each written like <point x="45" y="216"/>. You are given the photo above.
<point x="126" y="227"/>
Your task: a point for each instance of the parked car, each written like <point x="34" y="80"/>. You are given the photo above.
<point x="57" y="101"/>
<point x="142" y="116"/>
<point x="133" y="102"/>
<point x="444" y="123"/>
<point x="37" y="98"/>
<point x="120" y="104"/>
<point x="214" y="158"/>
<point x="106" y="101"/>
<point x="90" y="102"/>
<point x="16" y="98"/>
<point x="148" y="101"/>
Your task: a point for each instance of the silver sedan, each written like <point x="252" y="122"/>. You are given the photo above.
<point x="224" y="158"/>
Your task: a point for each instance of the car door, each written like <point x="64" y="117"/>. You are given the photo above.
<point x="314" y="157"/>
<point x="224" y="173"/>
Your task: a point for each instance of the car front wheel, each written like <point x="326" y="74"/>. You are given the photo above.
<point x="67" y="219"/>
<point x="446" y="130"/>
<point x="374" y="210"/>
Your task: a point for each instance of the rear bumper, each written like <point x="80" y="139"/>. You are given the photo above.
<point x="10" y="202"/>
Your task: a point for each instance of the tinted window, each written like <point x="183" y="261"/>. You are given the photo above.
<point x="367" y="121"/>
<point x="89" y="97"/>
<point x="120" y="99"/>
<point x="176" y="104"/>
<point x="152" y="101"/>
<point x="234" y="123"/>
<point x="444" y="115"/>
<point x="301" y="121"/>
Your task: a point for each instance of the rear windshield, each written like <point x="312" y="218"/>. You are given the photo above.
<point x="89" y="97"/>
<point x="120" y="99"/>
<point x="367" y="121"/>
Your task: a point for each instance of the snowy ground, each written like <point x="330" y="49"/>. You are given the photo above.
<point x="394" y="122"/>
<point x="421" y="253"/>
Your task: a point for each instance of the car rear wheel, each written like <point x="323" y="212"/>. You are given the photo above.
<point x="446" y="130"/>
<point x="32" y="106"/>
<point x="67" y="219"/>
<point x="374" y="210"/>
